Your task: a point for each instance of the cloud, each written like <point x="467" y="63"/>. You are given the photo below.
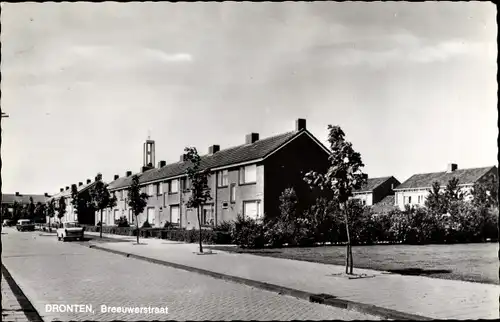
<point x="163" y="56"/>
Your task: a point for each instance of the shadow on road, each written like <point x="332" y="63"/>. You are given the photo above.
<point x="419" y="271"/>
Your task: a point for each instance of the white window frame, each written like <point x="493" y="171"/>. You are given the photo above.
<point x="178" y="214"/>
<point x="222" y="178"/>
<point x="232" y="193"/>
<point x="243" y="173"/>
<point x="204" y="220"/>
<point x="170" y="186"/>
<point x="258" y="207"/>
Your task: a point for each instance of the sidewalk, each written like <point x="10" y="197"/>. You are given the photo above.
<point x="15" y="306"/>
<point x="422" y="296"/>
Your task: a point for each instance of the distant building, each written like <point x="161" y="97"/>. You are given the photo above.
<point x="414" y="191"/>
<point x="8" y="200"/>
<point x="86" y="216"/>
<point x="375" y="190"/>
<point x="245" y="180"/>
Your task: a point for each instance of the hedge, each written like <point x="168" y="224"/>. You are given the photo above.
<point x="190" y="236"/>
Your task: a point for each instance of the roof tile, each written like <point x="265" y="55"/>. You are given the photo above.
<point x="425" y="180"/>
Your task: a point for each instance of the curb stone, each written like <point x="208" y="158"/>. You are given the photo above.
<point x="325" y="299"/>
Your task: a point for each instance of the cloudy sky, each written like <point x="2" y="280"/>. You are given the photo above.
<point x="412" y="85"/>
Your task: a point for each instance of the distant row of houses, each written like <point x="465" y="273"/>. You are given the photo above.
<point x="248" y="180"/>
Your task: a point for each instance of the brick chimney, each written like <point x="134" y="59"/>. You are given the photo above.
<point x="128" y="173"/>
<point x="80" y="183"/>
<point x="116" y="176"/>
<point x="89" y="181"/>
<point x="251" y="138"/>
<point x="46" y="195"/>
<point x="300" y="124"/>
<point x="182" y="158"/>
<point x="162" y="163"/>
<point x="451" y="167"/>
<point x="213" y="149"/>
<point x="61" y="190"/>
<point x="73" y="185"/>
<point x="17" y="194"/>
<point x="67" y="188"/>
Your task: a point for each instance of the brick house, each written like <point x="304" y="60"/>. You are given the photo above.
<point x="414" y="191"/>
<point x="375" y="190"/>
<point x="86" y="216"/>
<point x="247" y="180"/>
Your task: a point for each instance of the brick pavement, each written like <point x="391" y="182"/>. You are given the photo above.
<point x="430" y="297"/>
<point x="52" y="272"/>
<point x="15" y="306"/>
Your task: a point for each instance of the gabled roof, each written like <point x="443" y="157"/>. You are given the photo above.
<point x="425" y="180"/>
<point x="67" y="193"/>
<point x="223" y="158"/>
<point x="372" y="184"/>
<point x="8" y="198"/>
<point x="385" y="205"/>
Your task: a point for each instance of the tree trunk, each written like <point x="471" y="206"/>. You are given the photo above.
<point x="351" y="262"/>
<point x="100" y="229"/>
<point x="199" y="227"/>
<point x="348" y="254"/>
<point x="138" y="228"/>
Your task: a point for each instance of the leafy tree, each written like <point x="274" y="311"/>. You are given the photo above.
<point x="101" y="198"/>
<point x="30" y="209"/>
<point x="61" y="208"/>
<point x="200" y="191"/>
<point x="435" y="199"/>
<point x="137" y="201"/>
<point x="75" y="199"/>
<point x="51" y="210"/>
<point x="343" y="176"/>
<point x="40" y="211"/>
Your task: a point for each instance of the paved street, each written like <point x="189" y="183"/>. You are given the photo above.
<point x="52" y="272"/>
<point x="419" y="295"/>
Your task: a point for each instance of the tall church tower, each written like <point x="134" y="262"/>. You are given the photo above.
<point x="149" y="153"/>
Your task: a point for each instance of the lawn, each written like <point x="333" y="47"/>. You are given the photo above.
<point x="466" y="262"/>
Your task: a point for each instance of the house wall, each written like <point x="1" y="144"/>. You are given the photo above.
<point x="385" y="189"/>
<point x="402" y="197"/>
<point x="365" y="198"/>
<point x="286" y="168"/>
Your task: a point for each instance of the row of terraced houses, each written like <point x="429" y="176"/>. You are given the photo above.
<point x="248" y="179"/>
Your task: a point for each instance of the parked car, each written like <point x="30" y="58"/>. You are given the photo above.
<point x="70" y="229"/>
<point x="25" y="225"/>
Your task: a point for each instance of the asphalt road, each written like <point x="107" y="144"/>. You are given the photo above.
<point x="53" y="272"/>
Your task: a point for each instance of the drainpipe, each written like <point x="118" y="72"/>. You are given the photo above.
<point x="181" y="192"/>
<point x="215" y="199"/>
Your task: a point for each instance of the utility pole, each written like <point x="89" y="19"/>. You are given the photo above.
<point x="1" y="134"/>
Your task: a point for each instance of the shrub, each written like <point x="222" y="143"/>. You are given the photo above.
<point x="226" y="226"/>
<point x="146" y="224"/>
<point x="248" y="233"/>
<point x="275" y="233"/>
<point x="122" y="222"/>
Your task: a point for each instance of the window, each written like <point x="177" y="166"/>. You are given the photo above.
<point x="174" y="186"/>
<point x="130" y="216"/>
<point x="151" y="189"/>
<point x="151" y="216"/>
<point x="116" y="215"/>
<point x="207" y="216"/>
<point x="251" y="209"/>
<point x="248" y="174"/>
<point x="222" y="178"/>
<point x="185" y="184"/>
<point x="174" y="215"/>
<point x="232" y="193"/>
<point x="158" y="188"/>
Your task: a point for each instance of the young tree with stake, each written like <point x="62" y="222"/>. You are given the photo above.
<point x="51" y="210"/>
<point x="342" y="177"/>
<point x="61" y="208"/>
<point x="137" y="201"/>
<point x="101" y="198"/>
<point x="200" y="191"/>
